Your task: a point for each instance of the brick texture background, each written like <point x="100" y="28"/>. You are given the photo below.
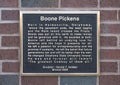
<point x="10" y="43"/>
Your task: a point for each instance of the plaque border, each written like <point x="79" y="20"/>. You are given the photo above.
<point x="60" y="12"/>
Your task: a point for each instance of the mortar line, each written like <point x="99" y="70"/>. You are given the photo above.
<point x="19" y="47"/>
<point x="4" y="73"/>
<point x="103" y="47"/>
<point x="110" y="73"/>
<point x="97" y="80"/>
<point x="102" y="34"/>
<point x="110" y="8"/>
<point x="0" y="67"/>
<point x="12" y="21"/>
<point x="110" y="48"/>
<point x="19" y="55"/>
<point x="98" y="4"/>
<point x="58" y="80"/>
<point x="19" y="3"/>
<point x="9" y="8"/>
<point x="4" y="48"/>
<point x="20" y="80"/>
<point x="13" y="61"/>
<point x="54" y="8"/>
<point x="59" y="4"/>
<point x="110" y="22"/>
<point x="115" y="34"/>
<point x="9" y="35"/>
<point x="84" y="8"/>
<point x="112" y="60"/>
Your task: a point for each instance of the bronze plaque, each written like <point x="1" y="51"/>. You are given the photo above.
<point x="59" y="42"/>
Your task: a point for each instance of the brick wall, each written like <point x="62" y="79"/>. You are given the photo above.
<point x="109" y="39"/>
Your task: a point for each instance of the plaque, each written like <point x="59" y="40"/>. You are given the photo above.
<point x="59" y="43"/>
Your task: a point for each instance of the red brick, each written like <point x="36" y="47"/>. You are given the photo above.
<point x="9" y="54"/>
<point x="39" y="81"/>
<point x="40" y="3"/>
<point x="10" y="67"/>
<point x="8" y="3"/>
<point x="108" y="15"/>
<point x="108" y="67"/>
<point x="110" y="3"/>
<point x="79" y="3"/>
<point x="10" y="15"/>
<point x="109" y="80"/>
<point x="10" y="41"/>
<point x="110" y="54"/>
<point x="9" y="28"/>
<point x="108" y="41"/>
<point x="110" y="28"/>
